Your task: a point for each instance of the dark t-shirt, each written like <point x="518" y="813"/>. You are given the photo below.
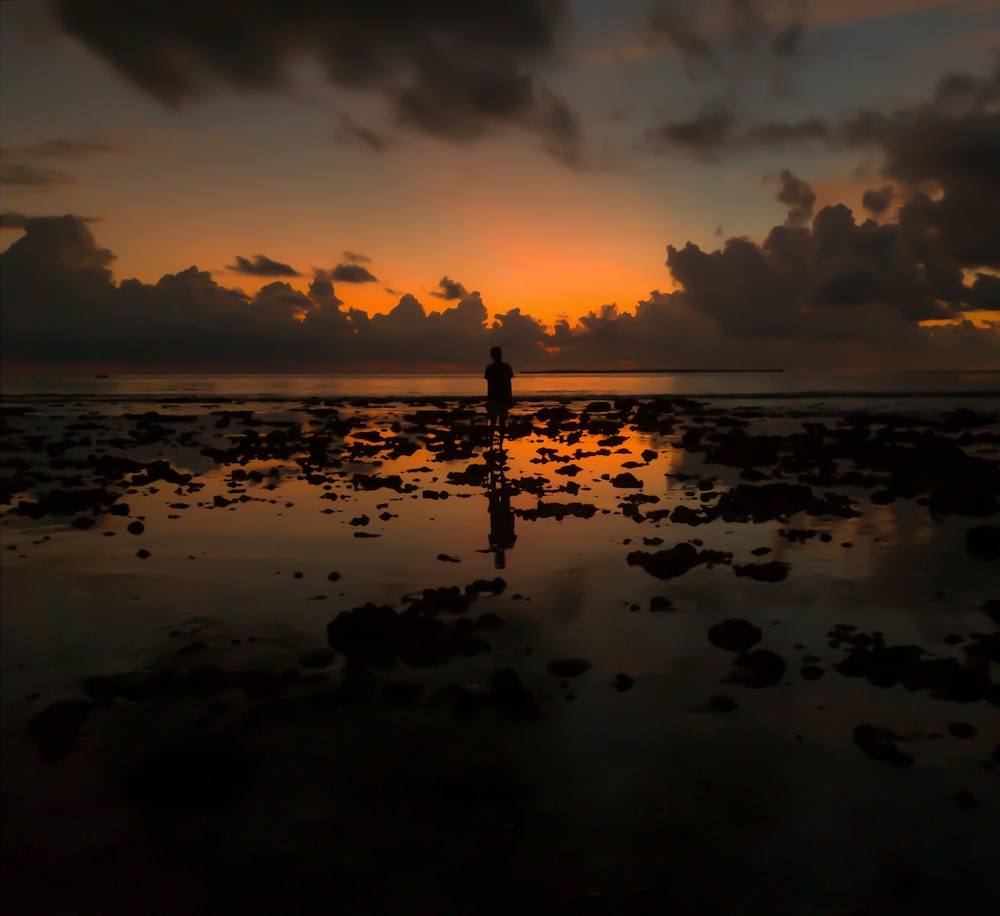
<point x="498" y="376"/>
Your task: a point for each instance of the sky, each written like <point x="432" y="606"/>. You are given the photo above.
<point x="315" y="185"/>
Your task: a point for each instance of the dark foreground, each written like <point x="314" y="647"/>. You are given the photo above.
<point x="659" y="657"/>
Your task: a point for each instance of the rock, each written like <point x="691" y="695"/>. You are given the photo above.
<point x="760" y="668"/>
<point x="811" y="672"/>
<point x="983" y="542"/>
<point x="511" y="694"/>
<point x="568" y="667"/>
<point x="879" y="744"/>
<point x="142" y="553"/>
<point x="684" y="515"/>
<point x="962" y="730"/>
<point x="333" y="576"/>
<point x="136" y="527"/>
<point x="660" y="603"/>
<point x="317" y="658"/>
<point x="83" y="522"/>
<point x="735" y="635"/>
<point x="626" y="481"/>
<point x="774" y="571"/>
<point x="623" y="682"/>
<point x="676" y="560"/>
<point x="56" y="729"/>
<point x="721" y="703"/>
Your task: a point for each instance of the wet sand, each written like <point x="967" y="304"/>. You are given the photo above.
<point x="662" y="655"/>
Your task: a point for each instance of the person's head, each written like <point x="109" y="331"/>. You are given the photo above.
<point x="496" y="353"/>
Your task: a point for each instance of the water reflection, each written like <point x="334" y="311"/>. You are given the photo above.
<point x="502" y="536"/>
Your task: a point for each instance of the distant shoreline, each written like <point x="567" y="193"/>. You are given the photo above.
<point x="642" y="371"/>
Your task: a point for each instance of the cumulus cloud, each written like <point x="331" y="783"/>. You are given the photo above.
<point x="355" y="258"/>
<point x="838" y="290"/>
<point x="450" y="69"/>
<point x="352" y="273"/>
<point x="798" y="196"/>
<point x="262" y="266"/>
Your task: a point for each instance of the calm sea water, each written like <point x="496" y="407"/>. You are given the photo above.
<point x="755" y="386"/>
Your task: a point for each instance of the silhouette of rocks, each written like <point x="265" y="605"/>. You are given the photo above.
<point x="774" y="571"/>
<point x="735" y="635"/>
<point x="983" y="542"/>
<point x="992" y="610"/>
<point x="626" y="480"/>
<point x="685" y="515"/>
<point x="885" y="666"/>
<point x="557" y="511"/>
<point x="676" y="560"/>
<point x="136" y="527"/>
<point x="511" y="694"/>
<point x="623" y="682"/>
<point x="760" y="668"/>
<point x="778" y="501"/>
<point x="659" y="604"/>
<point x="568" y="667"/>
<point x="880" y="744"/>
<point x="962" y="730"/>
<point x="56" y="729"/>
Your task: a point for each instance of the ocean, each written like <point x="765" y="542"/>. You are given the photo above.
<point x="938" y="389"/>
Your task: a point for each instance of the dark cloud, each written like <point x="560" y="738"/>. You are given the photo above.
<point x="60" y="149"/>
<point x="449" y="68"/>
<point x="20" y="175"/>
<point x="877" y="202"/>
<point x="706" y="32"/>
<point x="836" y="293"/>
<point x="798" y="196"/>
<point x="349" y="131"/>
<point x="355" y="258"/>
<point x="352" y="273"/>
<point x="786" y="40"/>
<point x="449" y="289"/>
<point x="704" y="135"/>
<point x="262" y="266"/>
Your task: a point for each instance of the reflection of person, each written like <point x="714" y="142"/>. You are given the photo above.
<point x="499" y="398"/>
<point x="502" y="535"/>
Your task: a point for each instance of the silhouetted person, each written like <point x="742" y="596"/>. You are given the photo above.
<point x="499" y="398"/>
<point x="502" y="535"/>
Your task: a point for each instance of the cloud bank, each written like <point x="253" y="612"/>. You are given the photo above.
<point x="448" y="68"/>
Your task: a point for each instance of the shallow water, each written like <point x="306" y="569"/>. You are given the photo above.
<point x="620" y="779"/>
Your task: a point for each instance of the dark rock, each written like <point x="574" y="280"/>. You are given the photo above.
<point x="684" y="515"/>
<point x="811" y="672"/>
<point x="879" y="744"/>
<point x="627" y="481"/>
<point x="511" y="694"/>
<point x="142" y="553"/>
<point x="774" y="571"/>
<point x="760" y="668"/>
<point x="721" y="703"/>
<point x="56" y="729"/>
<point x="675" y="561"/>
<point x="736" y="635"/>
<point x="660" y="603"/>
<point x="992" y="610"/>
<point x="623" y="682"/>
<point x="83" y="522"/>
<point x="983" y="542"/>
<point x="964" y="798"/>
<point x="333" y="576"/>
<point x="401" y="693"/>
<point x="135" y="527"/>
<point x="760" y="551"/>
<point x="962" y="730"/>
<point x="568" y="667"/>
<point x="259" y="683"/>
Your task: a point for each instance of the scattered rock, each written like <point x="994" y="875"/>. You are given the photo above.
<point x="568" y="667"/>
<point x="983" y="542"/>
<point x="623" y="682"/>
<point x="660" y="603"/>
<point x="760" y="668"/>
<point x="56" y="729"/>
<point x="735" y="635"/>
<point x="136" y="527"/>
<point x="880" y="744"/>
